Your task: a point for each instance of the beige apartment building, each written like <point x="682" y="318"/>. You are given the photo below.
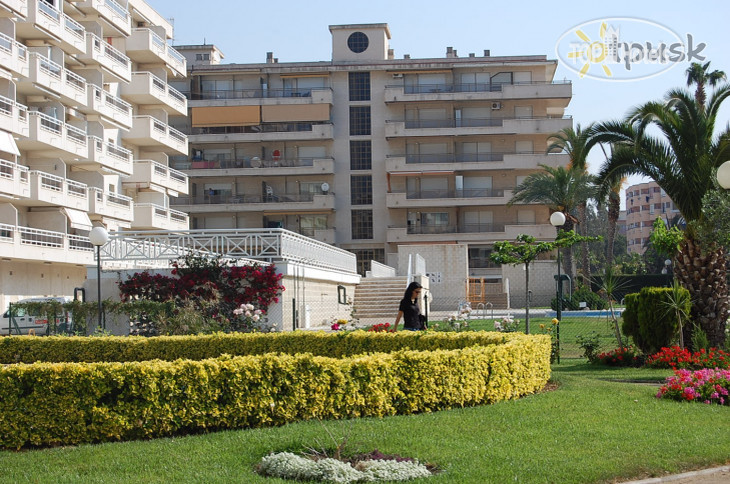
<point x="84" y="135"/>
<point x="644" y="203"/>
<point x="369" y="152"/>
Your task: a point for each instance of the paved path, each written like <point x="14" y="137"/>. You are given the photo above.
<point x="715" y="475"/>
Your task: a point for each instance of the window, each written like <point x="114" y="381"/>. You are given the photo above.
<point x="365" y="256"/>
<point x="359" y="120"/>
<point x="361" y="190"/>
<point x="358" y="42"/>
<point x="308" y="224"/>
<point x="361" y="155"/>
<point x="362" y="224"/>
<point x="359" y="86"/>
<point x="479" y="258"/>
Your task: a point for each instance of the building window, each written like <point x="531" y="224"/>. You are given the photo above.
<point x="361" y="155"/>
<point x="359" y="86"/>
<point x="365" y="256"/>
<point x="362" y="224"/>
<point x="359" y="120"/>
<point x="479" y="258"/>
<point x="358" y="42"/>
<point x="361" y="190"/>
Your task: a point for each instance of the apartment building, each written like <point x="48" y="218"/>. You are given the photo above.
<point x="644" y="203"/>
<point x="84" y="135"/>
<point x="369" y="152"/>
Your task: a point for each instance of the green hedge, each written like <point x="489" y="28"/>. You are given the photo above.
<point x="45" y="404"/>
<point x="649" y="320"/>
<point x="30" y="349"/>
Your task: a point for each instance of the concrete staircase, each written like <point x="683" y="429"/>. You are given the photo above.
<point x="498" y="300"/>
<point x="377" y="299"/>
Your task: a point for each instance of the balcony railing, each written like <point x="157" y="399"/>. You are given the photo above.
<point x="468" y="87"/>
<point x="463" y="193"/>
<point x="261" y="128"/>
<point x="117" y="8"/>
<point x="117" y="61"/>
<point x="255" y="93"/>
<point x="468" y="122"/>
<point x="13" y="109"/>
<point x="10" y="170"/>
<point x="255" y="162"/>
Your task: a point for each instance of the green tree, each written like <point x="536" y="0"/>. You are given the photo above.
<point x="526" y="250"/>
<point x="561" y="189"/>
<point x="681" y="153"/>
<point x="574" y="143"/>
<point x="699" y="75"/>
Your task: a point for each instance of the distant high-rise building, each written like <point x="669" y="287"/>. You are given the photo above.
<point x="645" y="202"/>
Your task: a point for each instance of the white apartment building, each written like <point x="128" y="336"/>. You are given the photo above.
<point x="369" y="152"/>
<point x="644" y="203"/>
<point x="84" y="135"/>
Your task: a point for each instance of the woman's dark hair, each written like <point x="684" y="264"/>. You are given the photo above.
<point x="409" y="290"/>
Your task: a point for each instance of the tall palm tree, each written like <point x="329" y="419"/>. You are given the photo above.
<point x="700" y="75"/>
<point x="681" y="153"/>
<point x="574" y="143"/>
<point x="613" y="203"/>
<point x="561" y="190"/>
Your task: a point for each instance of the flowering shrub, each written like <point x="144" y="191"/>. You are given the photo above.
<point x="628" y="356"/>
<point x="342" y="325"/>
<point x="507" y="324"/>
<point x="677" y="358"/>
<point x="548" y="330"/>
<point x="381" y="328"/>
<point x="248" y="319"/>
<point x="706" y="386"/>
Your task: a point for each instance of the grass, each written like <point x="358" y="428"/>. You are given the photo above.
<point x="595" y="427"/>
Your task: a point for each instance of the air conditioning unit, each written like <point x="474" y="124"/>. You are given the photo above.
<point x="496" y="105"/>
<point x="398" y="75"/>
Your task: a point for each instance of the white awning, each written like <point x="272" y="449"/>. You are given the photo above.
<point x="78" y="219"/>
<point x="7" y="143"/>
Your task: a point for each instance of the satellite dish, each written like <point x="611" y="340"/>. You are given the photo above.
<point x="325" y="187"/>
<point x="255" y="162"/>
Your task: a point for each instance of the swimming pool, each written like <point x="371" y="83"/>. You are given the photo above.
<point x="603" y="313"/>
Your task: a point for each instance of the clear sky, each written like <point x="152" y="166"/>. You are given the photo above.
<point x="298" y="31"/>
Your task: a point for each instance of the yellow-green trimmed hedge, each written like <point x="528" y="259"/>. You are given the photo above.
<point x="30" y="349"/>
<point x="69" y="403"/>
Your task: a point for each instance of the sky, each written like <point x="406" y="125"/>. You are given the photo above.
<point x="297" y="31"/>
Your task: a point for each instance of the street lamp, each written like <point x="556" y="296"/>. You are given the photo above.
<point x="98" y="237"/>
<point x="557" y="220"/>
<point x="723" y="175"/>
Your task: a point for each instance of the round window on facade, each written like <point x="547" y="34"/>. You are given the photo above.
<point x="358" y="42"/>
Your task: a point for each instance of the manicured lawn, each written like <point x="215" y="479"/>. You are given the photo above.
<point x="595" y="427"/>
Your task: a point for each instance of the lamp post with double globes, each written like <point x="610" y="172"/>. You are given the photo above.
<point x="557" y="220"/>
<point x="98" y="237"/>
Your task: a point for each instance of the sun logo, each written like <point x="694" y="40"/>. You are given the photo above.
<point x="596" y="52"/>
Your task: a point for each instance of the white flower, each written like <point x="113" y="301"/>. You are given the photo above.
<point x="255" y="317"/>
<point x="249" y="307"/>
<point x="238" y="312"/>
<point x="247" y="314"/>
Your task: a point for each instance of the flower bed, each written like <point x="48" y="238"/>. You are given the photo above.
<point x="706" y="386"/>
<point x="627" y="356"/>
<point x="677" y="358"/>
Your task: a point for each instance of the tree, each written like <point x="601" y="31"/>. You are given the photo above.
<point x="681" y="153"/>
<point x="574" y="143"/>
<point x="699" y="74"/>
<point x="561" y="190"/>
<point x="525" y="251"/>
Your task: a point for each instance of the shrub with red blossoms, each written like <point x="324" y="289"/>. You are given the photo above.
<point x="627" y="356"/>
<point x="706" y="386"/>
<point x="677" y="358"/>
<point x="381" y="328"/>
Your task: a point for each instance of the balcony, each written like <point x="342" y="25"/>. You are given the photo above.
<point x="13" y="117"/>
<point x="479" y="92"/>
<point x="110" y="59"/>
<point x="107" y="155"/>
<point x="468" y="232"/>
<point x="54" y="138"/>
<point x="13" y="55"/>
<point x="266" y="97"/>
<point x="256" y="166"/>
<point x="114" y="13"/>
<point x="109" y="204"/>
<point x="264" y="132"/>
<point x="14" y="180"/>
<point x="29" y="243"/>
<point x="17" y="8"/>
<point x="110" y="107"/>
<point x="152" y="216"/>
<point x="476" y="126"/>
<point x="146" y="88"/>
<point x="44" y="19"/>
<point x="448" y="198"/>
<point x="226" y="202"/>
<point x="146" y="47"/>
<point x="56" y="190"/>
<point x="474" y="161"/>
<point x="148" y="172"/>
<point x="149" y="131"/>
<point x="46" y="74"/>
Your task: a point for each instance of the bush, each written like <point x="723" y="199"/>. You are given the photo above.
<point x="621" y="357"/>
<point x="677" y="358"/>
<point x="706" y="386"/>
<point x="581" y="294"/>
<point x="649" y="320"/>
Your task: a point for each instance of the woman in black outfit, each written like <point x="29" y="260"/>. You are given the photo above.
<point x="409" y="309"/>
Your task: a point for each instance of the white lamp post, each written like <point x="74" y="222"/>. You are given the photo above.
<point x="557" y="219"/>
<point x="98" y="237"/>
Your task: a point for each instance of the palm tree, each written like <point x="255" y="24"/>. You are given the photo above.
<point x="699" y="74"/>
<point x="574" y="143"/>
<point x="561" y="190"/>
<point x="614" y="212"/>
<point x="681" y="153"/>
